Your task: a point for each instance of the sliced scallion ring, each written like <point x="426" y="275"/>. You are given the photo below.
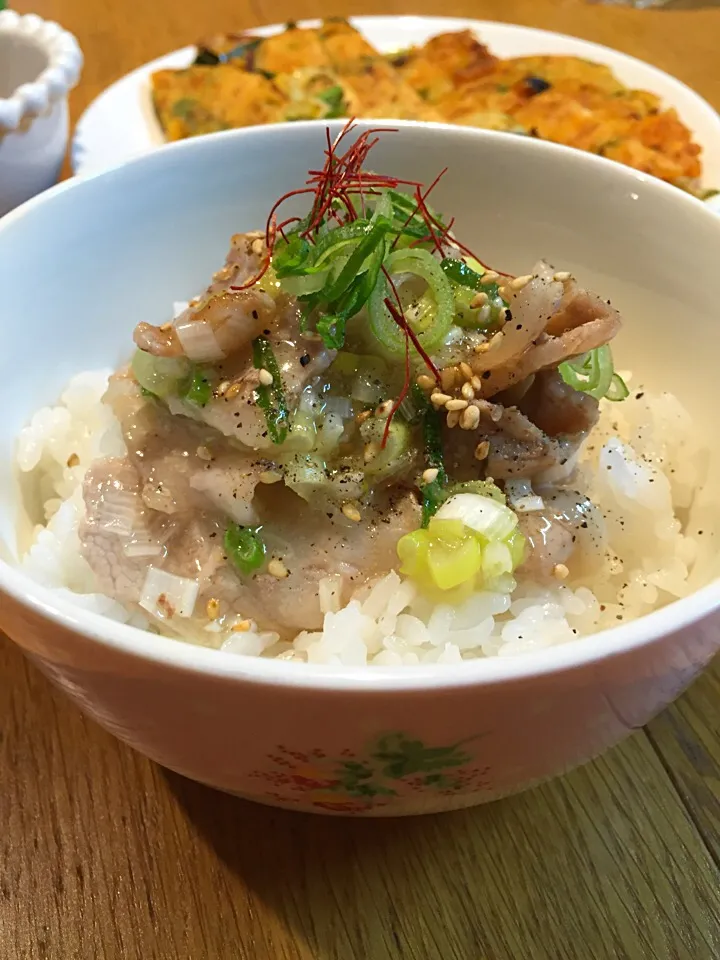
<point x="593" y="373"/>
<point x="434" y="327"/>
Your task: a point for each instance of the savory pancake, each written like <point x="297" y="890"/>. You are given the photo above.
<point x="204" y="99"/>
<point x="333" y="71"/>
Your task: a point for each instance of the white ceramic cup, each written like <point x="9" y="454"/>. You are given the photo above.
<point x="39" y="65"/>
<point x="122" y="246"/>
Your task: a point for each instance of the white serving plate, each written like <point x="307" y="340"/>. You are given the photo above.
<point x="121" y="122"/>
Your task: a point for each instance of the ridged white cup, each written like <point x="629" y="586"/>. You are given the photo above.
<point x="39" y="64"/>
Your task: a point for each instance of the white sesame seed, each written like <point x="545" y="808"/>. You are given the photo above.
<point x="425" y="382"/>
<point x="503" y="314"/>
<point x="470" y="418"/>
<point x="203" y="453"/>
<point x="223" y="387"/>
<point x="448" y="378"/>
<point x="560" y="571"/>
<point x="266" y="378"/>
<point x="466" y="370"/>
<point x="257" y="246"/>
<point x="476" y="383"/>
<point x="482" y="347"/>
<point x="490" y="276"/>
<point x="453" y="418"/>
<point x="233" y="390"/>
<point x="351" y="512"/>
<point x="479" y="300"/>
<point x="212" y="608"/>
<point x="242" y="627"/>
<point x="482" y="450"/>
<point x="277" y="569"/>
<point x="430" y="474"/>
<point x="467" y="391"/>
<point x="519" y="282"/>
<point x="456" y="405"/>
<point x="562" y="276"/>
<point x="484" y="314"/>
<point x="439" y="399"/>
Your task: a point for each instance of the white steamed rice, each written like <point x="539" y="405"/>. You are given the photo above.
<point x="644" y="466"/>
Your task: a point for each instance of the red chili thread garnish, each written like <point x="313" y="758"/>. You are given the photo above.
<point x="271" y="236"/>
<point x="341" y="177"/>
<point x="398" y="318"/>
<point x="417" y="209"/>
<point x="451" y="241"/>
<point x="396" y="312"/>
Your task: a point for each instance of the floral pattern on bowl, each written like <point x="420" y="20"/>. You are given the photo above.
<point x="392" y="766"/>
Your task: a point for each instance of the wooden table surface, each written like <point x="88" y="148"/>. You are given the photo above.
<point x="103" y="855"/>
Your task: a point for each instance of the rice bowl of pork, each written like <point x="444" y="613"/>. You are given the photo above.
<point x="333" y="737"/>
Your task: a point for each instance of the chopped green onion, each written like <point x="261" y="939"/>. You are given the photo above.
<point x="484" y="515"/>
<point x="271" y="399"/>
<point x="331" y="327"/>
<point x="302" y="286"/>
<point x="593" y="373"/>
<point x="329" y="245"/>
<point x="196" y="389"/>
<point x="617" y="390"/>
<point x="459" y="272"/>
<point x="307" y="475"/>
<point x="451" y="555"/>
<point x="160" y="376"/>
<point x="293" y="258"/>
<point x="334" y="100"/>
<point x="467" y="283"/>
<point x="433" y="493"/>
<point x="373" y="238"/>
<point x="484" y="488"/>
<point x="421" y="264"/>
<point x="245" y="547"/>
<point x="394" y="457"/>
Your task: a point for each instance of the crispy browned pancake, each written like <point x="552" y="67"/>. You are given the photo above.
<point x="333" y="71"/>
<point x="207" y="99"/>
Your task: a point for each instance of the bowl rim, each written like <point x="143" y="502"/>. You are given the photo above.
<point x="186" y="657"/>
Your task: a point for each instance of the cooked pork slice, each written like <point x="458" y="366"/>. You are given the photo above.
<point x="182" y="464"/>
<point x="312" y="545"/>
<point x="244" y="260"/>
<point x="549" y="322"/>
<point x="122" y="537"/>
<point x="215" y="328"/>
<point x="569" y="528"/>
<point x="233" y="408"/>
<point x="557" y="408"/>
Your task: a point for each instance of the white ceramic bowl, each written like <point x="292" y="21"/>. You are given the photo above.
<point x="39" y="64"/>
<point x="81" y="264"/>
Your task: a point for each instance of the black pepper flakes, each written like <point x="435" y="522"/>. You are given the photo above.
<point x="305" y="359"/>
